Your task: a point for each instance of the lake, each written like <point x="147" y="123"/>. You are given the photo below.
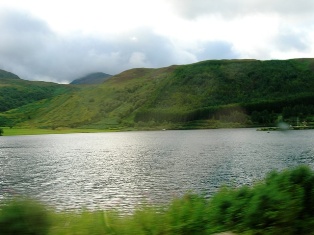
<point x="124" y="169"/>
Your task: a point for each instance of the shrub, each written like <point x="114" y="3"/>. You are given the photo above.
<point x="187" y="215"/>
<point x="23" y="216"/>
<point x="282" y="204"/>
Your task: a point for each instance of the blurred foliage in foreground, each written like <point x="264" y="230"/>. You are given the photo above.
<point x="281" y="204"/>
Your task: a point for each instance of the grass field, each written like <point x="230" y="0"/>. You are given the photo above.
<point x="27" y="131"/>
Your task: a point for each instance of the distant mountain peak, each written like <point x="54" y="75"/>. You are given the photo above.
<point x="93" y="78"/>
<point x="5" y="74"/>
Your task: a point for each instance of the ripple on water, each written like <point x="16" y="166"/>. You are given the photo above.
<point x="110" y="170"/>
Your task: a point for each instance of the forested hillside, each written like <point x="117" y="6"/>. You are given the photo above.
<point x="224" y="89"/>
<point x="15" y="92"/>
<point x="207" y="94"/>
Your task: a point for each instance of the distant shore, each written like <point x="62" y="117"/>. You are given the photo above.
<point x="290" y="128"/>
<point x="64" y="130"/>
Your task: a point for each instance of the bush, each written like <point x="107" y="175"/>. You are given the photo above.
<point x="187" y="215"/>
<point x="282" y="204"/>
<point x="23" y="216"/>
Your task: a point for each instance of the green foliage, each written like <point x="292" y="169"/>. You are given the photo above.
<point x="1" y="131"/>
<point x="85" y="222"/>
<point x="5" y="121"/>
<point x="187" y="215"/>
<point x="23" y="216"/>
<point x="282" y="204"/>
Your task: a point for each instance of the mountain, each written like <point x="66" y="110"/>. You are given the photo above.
<point x="5" y="75"/>
<point x="93" y="78"/>
<point x="210" y="93"/>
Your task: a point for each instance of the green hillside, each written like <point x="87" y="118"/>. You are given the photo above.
<point x="5" y="74"/>
<point x="15" y="92"/>
<point x="207" y="94"/>
<point x="225" y="89"/>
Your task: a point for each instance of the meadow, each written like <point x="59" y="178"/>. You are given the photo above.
<point x="36" y="131"/>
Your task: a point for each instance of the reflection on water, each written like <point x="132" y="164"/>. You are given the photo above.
<point x="124" y="169"/>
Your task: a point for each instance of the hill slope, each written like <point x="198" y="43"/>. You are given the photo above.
<point x="94" y="78"/>
<point x="236" y="91"/>
<point x="6" y="75"/>
<point x="15" y="92"/>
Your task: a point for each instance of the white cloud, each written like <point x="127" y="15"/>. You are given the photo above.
<point x="239" y="8"/>
<point x="138" y="59"/>
<point x="35" y="52"/>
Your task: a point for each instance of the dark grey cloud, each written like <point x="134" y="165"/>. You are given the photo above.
<point x="21" y="36"/>
<point x="235" y="8"/>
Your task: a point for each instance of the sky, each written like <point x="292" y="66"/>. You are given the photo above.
<point x="61" y="40"/>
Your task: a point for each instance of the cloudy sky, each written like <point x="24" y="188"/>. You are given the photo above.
<point x="59" y="40"/>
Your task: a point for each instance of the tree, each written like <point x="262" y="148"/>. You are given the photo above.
<point x="1" y="131"/>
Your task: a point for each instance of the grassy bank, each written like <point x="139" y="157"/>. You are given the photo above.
<point x="36" y="131"/>
<point x="281" y="204"/>
<point x="203" y="124"/>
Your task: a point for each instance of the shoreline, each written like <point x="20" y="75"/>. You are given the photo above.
<point x="20" y="131"/>
<point x="284" y="129"/>
<point x="37" y="131"/>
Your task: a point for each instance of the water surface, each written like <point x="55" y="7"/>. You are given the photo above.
<point x="104" y="170"/>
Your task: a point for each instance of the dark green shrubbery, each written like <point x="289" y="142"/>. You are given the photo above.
<point x="282" y="204"/>
<point x="22" y="216"/>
